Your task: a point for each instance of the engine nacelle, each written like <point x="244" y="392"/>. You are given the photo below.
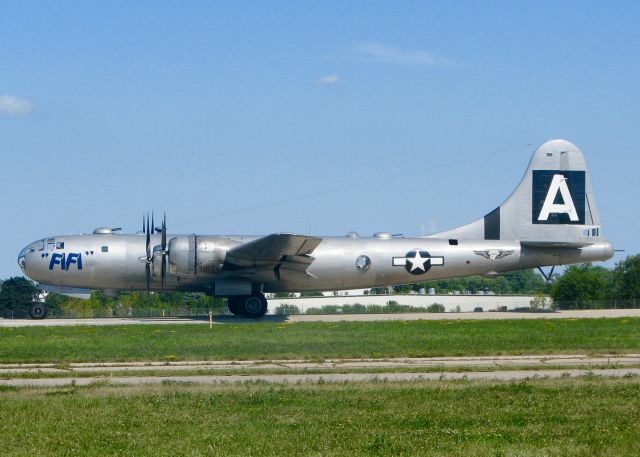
<point x="197" y="255"/>
<point x="182" y="256"/>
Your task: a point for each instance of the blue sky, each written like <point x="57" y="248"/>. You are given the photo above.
<point x="109" y="109"/>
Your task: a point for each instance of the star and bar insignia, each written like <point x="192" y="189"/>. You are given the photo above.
<point x="418" y="262"/>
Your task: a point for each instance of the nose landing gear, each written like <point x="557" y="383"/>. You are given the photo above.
<point x="38" y="310"/>
<point x="248" y="305"/>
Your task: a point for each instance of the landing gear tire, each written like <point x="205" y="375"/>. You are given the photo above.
<point x="252" y="306"/>
<point x="235" y="305"/>
<point x="38" y="311"/>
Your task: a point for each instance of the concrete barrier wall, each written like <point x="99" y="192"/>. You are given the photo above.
<point x="451" y="302"/>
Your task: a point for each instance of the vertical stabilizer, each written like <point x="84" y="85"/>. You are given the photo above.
<point x="553" y="203"/>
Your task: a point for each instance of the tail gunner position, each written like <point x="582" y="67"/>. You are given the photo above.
<point x="550" y="219"/>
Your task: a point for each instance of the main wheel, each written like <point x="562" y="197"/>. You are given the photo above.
<point x="38" y="311"/>
<point x="254" y="306"/>
<point x="235" y="305"/>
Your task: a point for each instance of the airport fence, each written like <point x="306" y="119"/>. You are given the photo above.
<point x="289" y="308"/>
<point x="614" y="303"/>
<point x="88" y="313"/>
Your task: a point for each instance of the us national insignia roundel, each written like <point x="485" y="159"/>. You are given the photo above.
<point x="418" y="262"/>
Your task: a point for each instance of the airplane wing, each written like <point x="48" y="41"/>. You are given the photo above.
<point x="286" y="254"/>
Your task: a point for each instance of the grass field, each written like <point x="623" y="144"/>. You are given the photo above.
<point x="588" y="416"/>
<point x="318" y="340"/>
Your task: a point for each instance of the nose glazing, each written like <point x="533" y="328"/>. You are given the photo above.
<point x="22" y="261"/>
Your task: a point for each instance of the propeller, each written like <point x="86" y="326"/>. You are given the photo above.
<point x="148" y="229"/>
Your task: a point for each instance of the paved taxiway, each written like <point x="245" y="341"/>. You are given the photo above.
<point x="326" y="377"/>
<point x="503" y="368"/>
<point x="568" y="314"/>
<point x="555" y="360"/>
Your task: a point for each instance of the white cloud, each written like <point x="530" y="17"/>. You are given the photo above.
<point x="14" y="106"/>
<point x="382" y="53"/>
<point x="328" y="80"/>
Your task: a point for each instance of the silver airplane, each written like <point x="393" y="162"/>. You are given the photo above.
<point x="550" y="219"/>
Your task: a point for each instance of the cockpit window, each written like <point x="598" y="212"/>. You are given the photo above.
<point x="59" y="244"/>
<point x="40" y="245"/>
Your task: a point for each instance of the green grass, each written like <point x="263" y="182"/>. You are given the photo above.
<point x="587" y="416"/>
<point x="318" y="341"/>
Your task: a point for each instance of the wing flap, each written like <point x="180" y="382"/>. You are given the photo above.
<point x="287" y="254"/>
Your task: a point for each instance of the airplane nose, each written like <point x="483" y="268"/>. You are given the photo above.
<point x="22" y="260"/>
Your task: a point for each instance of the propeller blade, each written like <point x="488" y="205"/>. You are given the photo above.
<point x="153" y="226"/>
<point x="164" y="249"/>
<point x="148" y="240"/>
<point x="163" y="268"/>
<point x="147" y="270"/>
<point x="143" y="229"/>
<point x="164" y="232"/>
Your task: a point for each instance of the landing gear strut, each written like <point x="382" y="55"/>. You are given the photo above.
<point x="248" y="305"/>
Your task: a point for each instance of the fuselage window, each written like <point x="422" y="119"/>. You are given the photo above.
<point x="105" y="249"/>
<point x="363" y="263"/>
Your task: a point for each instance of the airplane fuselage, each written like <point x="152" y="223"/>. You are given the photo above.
<point x="116" y="262"/>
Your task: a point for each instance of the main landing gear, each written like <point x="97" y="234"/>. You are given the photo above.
<point x="248" y="305"/>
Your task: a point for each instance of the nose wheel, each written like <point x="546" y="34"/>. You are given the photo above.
<point x="38" y="311"/>
<point x="248" y="305"/>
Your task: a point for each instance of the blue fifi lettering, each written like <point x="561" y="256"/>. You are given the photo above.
<point x="56" y="259"/>
<point x="74" y="258"/>
<point x="66" y="262"/>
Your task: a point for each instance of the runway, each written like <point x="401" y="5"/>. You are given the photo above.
<point x="566" y="314"/>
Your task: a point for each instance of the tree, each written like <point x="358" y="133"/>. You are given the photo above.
<point x="16" y="294"/>
<point x="626" y="277"/>
<point x="435" y="308"/>
<point x="55" y="301"/>
<point x="582" y="284"/>
<point x="538" y="302"/>
<point x="515" y="282"/>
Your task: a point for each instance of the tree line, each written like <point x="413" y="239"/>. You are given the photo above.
<point x="586" y="285"/>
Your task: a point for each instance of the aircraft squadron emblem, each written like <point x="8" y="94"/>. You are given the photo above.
<point x="493" y="254"/>
<point x="418" y="262"/>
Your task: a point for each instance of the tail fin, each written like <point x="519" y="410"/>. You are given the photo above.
<point x="552" y="206"/>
